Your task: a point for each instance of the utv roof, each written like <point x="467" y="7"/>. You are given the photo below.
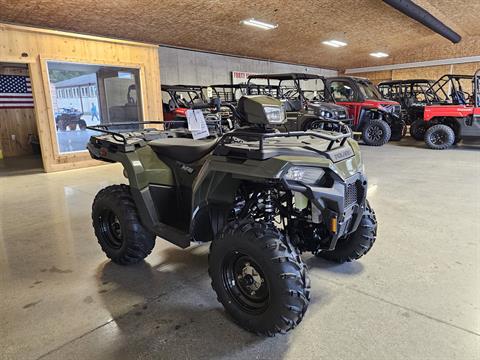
<point x="357" y="78"/>
<point x="409" y="81"/>
<point x="457" y="76"/>
<point x="286" y="76"/>
<point x="181" y="87"/>
<point x="232" y="86"/>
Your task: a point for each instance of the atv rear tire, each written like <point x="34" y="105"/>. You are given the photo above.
<point x="117" y="226"/>
<point x="376" y="132"/>
<point x="417" y="130"/>
<point x="356" y="244"/>
<point x="439" y="137"/>
<point x="259" y="278"/>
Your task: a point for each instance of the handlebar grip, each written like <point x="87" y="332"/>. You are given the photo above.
<point x="203" y="106"/>
<point x="215" y="103"/>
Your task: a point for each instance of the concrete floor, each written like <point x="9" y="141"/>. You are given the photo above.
<point x="415" y="296"/>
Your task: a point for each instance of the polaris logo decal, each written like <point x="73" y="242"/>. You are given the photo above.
<point x="341" y="154"/>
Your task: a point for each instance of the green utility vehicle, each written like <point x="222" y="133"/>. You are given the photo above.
<point x="262" y="197"/>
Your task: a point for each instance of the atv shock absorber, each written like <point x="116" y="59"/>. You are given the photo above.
<point x="269" y="208"/>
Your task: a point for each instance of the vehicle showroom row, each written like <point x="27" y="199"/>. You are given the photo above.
<point x="439" y="112"/>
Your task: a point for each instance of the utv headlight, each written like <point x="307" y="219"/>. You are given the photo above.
<point x="326" y="114"/>
<point x="306" y="175"/>
<point x="274" y="114"/>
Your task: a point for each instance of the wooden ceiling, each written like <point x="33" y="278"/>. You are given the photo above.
<point x="214" y="25"/>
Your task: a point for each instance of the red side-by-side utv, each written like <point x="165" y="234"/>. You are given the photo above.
<point x="379" y="120"/>
<point x="456" y="117"/>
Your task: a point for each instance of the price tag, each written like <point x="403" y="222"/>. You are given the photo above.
<point x="197" y="124"/>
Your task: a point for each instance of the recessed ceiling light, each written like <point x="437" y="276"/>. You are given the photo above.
<point x="260" y="24"/>
<point x="379" y="54"/>
<point x="334" y="43"/>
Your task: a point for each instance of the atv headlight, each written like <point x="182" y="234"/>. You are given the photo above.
<point x="274" y="114"/>
<point x="306" y="175"/>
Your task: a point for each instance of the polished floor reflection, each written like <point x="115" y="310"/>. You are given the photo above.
<point x="415" y="296"/>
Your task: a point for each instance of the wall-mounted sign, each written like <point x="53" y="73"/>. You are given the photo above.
<point x="240" y="77"/>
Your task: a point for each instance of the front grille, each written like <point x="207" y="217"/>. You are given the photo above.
<point x="354" y="193"/>
<point x="341" y="115"/>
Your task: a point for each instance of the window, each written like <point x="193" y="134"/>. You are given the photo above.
<point x="79" y="104"/>
<point x="342" y="91"/>
<point x="368" y="90"/>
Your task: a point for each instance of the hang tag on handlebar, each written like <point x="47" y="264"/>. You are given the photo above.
<point x="197" y="124"/>
<point x="195" y="120"/>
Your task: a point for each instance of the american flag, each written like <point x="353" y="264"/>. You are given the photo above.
<point x="15" y="92"/>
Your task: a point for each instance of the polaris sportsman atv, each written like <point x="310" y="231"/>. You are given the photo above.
<point x="260" y="196"/>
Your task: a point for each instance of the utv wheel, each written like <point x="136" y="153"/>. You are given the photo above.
<point x="439" y="137"/>
<point x="376" y="133"/>
<point x="356" y="244"/>
<point x="417" y="130"/>
<point x="118" y="228"/>
<point x="259" y="278"/>
<point x="314" y="124"/>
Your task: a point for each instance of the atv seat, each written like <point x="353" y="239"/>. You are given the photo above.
<point x="183" y="149"/>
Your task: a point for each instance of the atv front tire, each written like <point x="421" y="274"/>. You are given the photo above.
<point x="259" y="278"/>
<point x="356" y="244"/>
<point x="417" y="130"/>
<point x="376" y="132"/>
<point x="117" y="226"/>
<point x="439" y="137"/>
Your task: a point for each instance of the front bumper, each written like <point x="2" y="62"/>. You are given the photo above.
<point x="344" y="203"/>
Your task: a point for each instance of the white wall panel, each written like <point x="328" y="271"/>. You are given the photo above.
<point x="179" y="66"/>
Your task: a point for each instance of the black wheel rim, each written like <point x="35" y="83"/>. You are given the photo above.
<point x="245" y="282"/>
<point x="315" y="125"/>
<point x="438" y="138"/>
<point x="375" y="133"/>
<point x="111" y="229"/>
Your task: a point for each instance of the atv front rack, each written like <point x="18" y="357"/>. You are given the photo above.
<point x="238" y="144"/>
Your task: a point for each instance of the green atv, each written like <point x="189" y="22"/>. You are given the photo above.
<point x="259" y="195"/>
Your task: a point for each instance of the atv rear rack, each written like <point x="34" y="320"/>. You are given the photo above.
<point x="123" y="136"/>
<point x="342" y="137"/>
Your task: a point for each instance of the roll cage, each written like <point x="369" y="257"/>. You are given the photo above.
<point x="449" y="90"/>
<point x="229" y="92"/>
<point x="280" y="90"/>
<point x="184" y="96"/>
<point x="476" y="88"/>
<point x="406" y="91"/>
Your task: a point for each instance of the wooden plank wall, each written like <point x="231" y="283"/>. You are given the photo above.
<point x="431" y="72"/>
<point x="35" y="46"/>
<point x="17" y="122"/>
<point x="20" y="123"/>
